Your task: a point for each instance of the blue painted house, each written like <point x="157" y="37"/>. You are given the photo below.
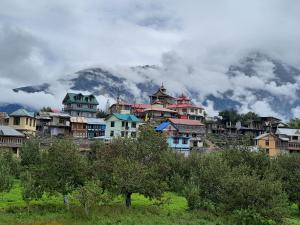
<point x="95" y="127"/>
<point x="183" y="134"/>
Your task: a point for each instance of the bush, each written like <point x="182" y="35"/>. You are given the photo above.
<point x="247" y="216"/>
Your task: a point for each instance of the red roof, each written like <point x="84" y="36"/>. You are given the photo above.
<point x="183" y="97"/>
<point x="174" y="106"/>
<point x="186" y="122"/>
<point x="141" y="106"/>
<point x="160" y="110"/>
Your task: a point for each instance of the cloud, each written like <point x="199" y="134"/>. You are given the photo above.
<point x="194" y="43"/>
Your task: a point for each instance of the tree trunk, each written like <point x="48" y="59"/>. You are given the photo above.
<point x="128" y="200"/>
<point x="66" y="201"/>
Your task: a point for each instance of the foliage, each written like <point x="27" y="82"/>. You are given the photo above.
<point x="11" y="161"/>
<point x="288" y="170"/>
<point x="294" y="123"/>
<point x="64" y="168"/>
<point x="30" y="153"/>
<point x="139" y="165"/>
<point x="101" y="114"/>
<point x="229" y="115"/>
<point x="247" y="216"/>
<point x="90" y="195"/>
<point x="6" y="178"/>
<point x="32" y="189"/>
<point x="46" y="109"/>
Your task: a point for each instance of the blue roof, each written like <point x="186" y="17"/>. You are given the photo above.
<point x="162" y="126"/>
<point x="22" y="112"/>
<point x="126" y="117"/>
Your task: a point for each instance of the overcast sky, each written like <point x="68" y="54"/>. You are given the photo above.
<point x="41" y="41"/>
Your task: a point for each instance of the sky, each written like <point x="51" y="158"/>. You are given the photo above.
<point x="43" y="41"/>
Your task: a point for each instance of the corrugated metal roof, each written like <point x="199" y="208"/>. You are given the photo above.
<point x="22" y="112"/>
<point x="8" y="131"/>
<point x="288" y="131"/>
<point x="186" y="122"/>
<point x="78" y="120"/>
<point x="95" y="121"/>
<point x="126" y="117"/>
<point x="162" y="126"/>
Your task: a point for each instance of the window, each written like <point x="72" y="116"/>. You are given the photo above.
<point x="30" y="122"/>
<point x="175" y="141"/>
<point x="79" y="105"/>
<point x="111" y="133"/>
<point x="192" y="110"/>
<point x="16" y="120"/>
<point x="123" y="123"/>
<point x="26" y="121"/>
<point x="133" y="124"/>
<point x="295" y="138"/>
<point x="267" y="143"/>
<point x="184" y="110"/>
<point x="133" y="134"/>
<point x="185" y="141"/>
<point x="122" y="133"/>
<point x="112" y="124"/>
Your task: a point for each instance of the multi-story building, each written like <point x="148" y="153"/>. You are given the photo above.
<point x="272" y="144"/>
<point x="95" y="127"/>
<point x="183" y="134"/>
<point x="79" y="127"/>
<point x="23" y="121"/>
<point x="162" y="96"/>
<point x="120" y="107"/>
<point x="121" y="125"/>
<point x="80" y="105"/>
<point x="293" y="137"/>
<point x="186" y="109"/>
<point x="11" y="139"/>
<point x="53" y="124"/>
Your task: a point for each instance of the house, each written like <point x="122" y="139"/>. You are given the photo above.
<point x="120" y="107"/>
<point x="272" y="144"/>
<point x="183" y="134"/>
<point x="95" y="127"/>
<point x="23" y="121"/>
<point x="53" y="124"/>
<point x="79" y="105"/>
<point x="4" y="119"/>
<point x="11" y="139"/>
<point x="162" y="96"/>
<point x="122" y="125"/>
<point x="157" y="113"/>
<point x="293" y="137"/>
<point x="79" y="127"/>
<point x="186" y="109"/>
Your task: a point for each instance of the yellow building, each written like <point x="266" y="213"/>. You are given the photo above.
<point x="273" y="144"/>
<point x="23" y="121"/>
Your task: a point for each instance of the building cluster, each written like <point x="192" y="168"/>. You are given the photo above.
<point x="176" y="117"/>
<point x="184" y="124"/>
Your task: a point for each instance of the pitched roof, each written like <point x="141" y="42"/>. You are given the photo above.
<point x="95" y="121"/>
<point x="185" y="105"/>
<point x="186" y="122"/>
<point x="22" y="112"/>
<point x="158" y="109"/>
<point x="288" y="131"/>
<point x="78" y="120"/>
<point x="84" y="99"/>
<point x="126" y="117"/>
<point x="162" y="126"/>
<point x="8" y="131"/>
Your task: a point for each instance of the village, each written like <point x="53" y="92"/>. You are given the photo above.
<point x="186" y="126"/>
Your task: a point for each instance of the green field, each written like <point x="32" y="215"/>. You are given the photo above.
<point x="50" y="211"/>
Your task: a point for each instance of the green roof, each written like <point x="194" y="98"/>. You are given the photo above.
<point x="80" y="99"/>
<point x="22" y="112"/>
<point x="126" y="117"/>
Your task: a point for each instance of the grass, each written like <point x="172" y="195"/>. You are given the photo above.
<point x="50" y="211"/>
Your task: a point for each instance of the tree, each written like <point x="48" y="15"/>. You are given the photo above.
<point x="46" y="109"/>
<point x="30" y="153"/>
<point x="229" y="116"/>
<point x="32" y="188"/>
<point x="64" y="168"/>
<point x="101" y="114"/>
<point x="249" y="118"/>
<point x="294" y="123"/>
<point x="6" y="178"/>
<point x="139" y="165"/>
<point x="288" y="170"/>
